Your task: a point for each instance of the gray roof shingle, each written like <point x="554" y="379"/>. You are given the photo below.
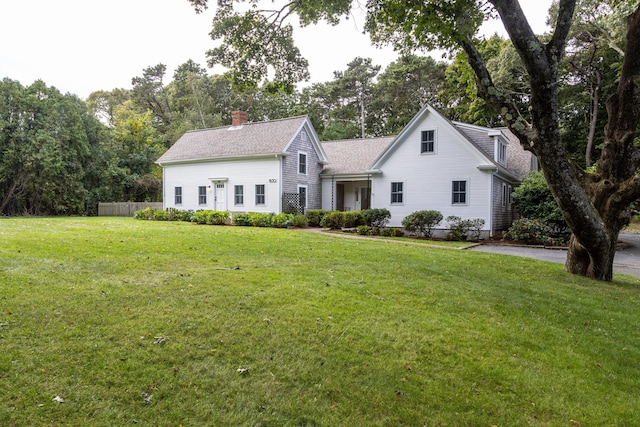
<point x="250" y="139"/>
<point x="353" y="156"/>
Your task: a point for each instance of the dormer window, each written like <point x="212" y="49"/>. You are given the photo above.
<point x="501" y="152"/>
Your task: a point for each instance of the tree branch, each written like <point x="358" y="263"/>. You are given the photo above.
<point x="556" y="45"/>
<point x="494" y="97"/>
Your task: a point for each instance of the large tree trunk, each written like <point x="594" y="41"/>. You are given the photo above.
<point x="594" y="205"/>
<point x="589" y="263"/>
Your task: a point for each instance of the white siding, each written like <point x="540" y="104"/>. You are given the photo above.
<point x="247" y="173"/>
<point x="427" y="178"/>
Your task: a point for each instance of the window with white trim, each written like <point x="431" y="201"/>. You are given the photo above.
<point x="260" y="194"/>
<point x="459" y="192"/>
<point x="238" y="195"/>
<point x="397" y="193"/>
<point x="502" y="152"/>
<point x="302" y="163"/>
<point x="504" y="195"/>
<point x="428" y="141"/>
<point x="178" y="195"/>
<point x="202" y="195"/>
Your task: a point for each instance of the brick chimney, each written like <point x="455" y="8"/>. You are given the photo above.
<point x="239" y="117"/>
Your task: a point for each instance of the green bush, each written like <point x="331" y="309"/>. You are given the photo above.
<point x="531" y="232"/>
<point x="333" y="220"/>
<point x="242" y="219"/>
<point x="352" y="219"/>
<point x="364" y="230"/>
<point x="200" y="217"/>
<point x="146" y="213"/>
<point x="475" y="228"/>
<point x="211" y="217"/>
<point x="458" y="228"/>
<point x="259" y="219"/>
<point x="314" y="217"/>
<point x="422" y="222"/>
<point x="396" y="232"/>
<point x="534" y="200"/>
<point x="300" y="221"/>
<point x="281" y="220"/>
<point x="386" y="232"/>
<point x="160" y="215"/>
<point x="376" y="218"/>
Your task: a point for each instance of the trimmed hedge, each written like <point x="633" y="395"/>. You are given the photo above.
<point x="211" y="217"/>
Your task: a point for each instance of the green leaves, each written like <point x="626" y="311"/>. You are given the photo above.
<point x="255" y="48"/>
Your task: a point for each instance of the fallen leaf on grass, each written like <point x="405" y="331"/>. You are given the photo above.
<point x="57" y="399"/>
<point x="242" y="371"/>
<point x="160" y="340"/>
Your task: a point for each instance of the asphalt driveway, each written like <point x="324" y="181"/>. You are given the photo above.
<point x="626" y="261"/>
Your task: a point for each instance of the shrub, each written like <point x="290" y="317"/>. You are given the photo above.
<point x="146" y="213"/>
<point x="300" y="221"/>
<point x="534" y="200"/>
<point x="396" y="232"/>
<point x="280" y="220"/>
<point x="458" y="228"/>
<point x="333" y="220"/>
<point x="475" y="228"/>
<point x="210" y="217"/>
<point x="364" y="230"/>
<point x="242" y="219"/>
<point x="219" y="217"/>
<point x="160" y="215"/>
<point x="376" y="218"/>
<point x="172" y="213"/>
<point x="531" y="232"/>
<point x="259" y="219"/>
<point x="352" y="219"/>
<point x="314" y="217"/>
<point x="422" y="222"/>
<point x="200" y="217"/>
<point x="387" y="232"/>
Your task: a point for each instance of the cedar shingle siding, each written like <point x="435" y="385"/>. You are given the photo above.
<point x="291" y="179"/>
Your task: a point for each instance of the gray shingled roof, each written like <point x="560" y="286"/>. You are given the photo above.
<point x="250" y="139"/>
<point x="353" y="156"/>
<point x="479" y="136"/>
<point x="518" y="160"/>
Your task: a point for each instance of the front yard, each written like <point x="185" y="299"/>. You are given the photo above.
<point x="113" y="321"/>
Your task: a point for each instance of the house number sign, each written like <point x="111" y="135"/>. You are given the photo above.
<point x="273" y="181"/>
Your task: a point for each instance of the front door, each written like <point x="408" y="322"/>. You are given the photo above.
<point x="220" y="199"/>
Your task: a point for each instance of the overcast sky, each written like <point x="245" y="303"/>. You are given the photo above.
<point x="80" y="46"/>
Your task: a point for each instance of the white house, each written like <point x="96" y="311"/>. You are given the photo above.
<point x="280" y="166"/>
<point x="271" y="166"/>
<point x="433" y="164"/>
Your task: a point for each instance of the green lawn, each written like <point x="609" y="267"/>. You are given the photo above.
<point x="167" y="324"/>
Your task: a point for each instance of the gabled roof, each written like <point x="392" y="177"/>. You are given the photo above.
<point x="353" y="156"/>
<point x="247" y="140"/>
<point x="480" y="138"/>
